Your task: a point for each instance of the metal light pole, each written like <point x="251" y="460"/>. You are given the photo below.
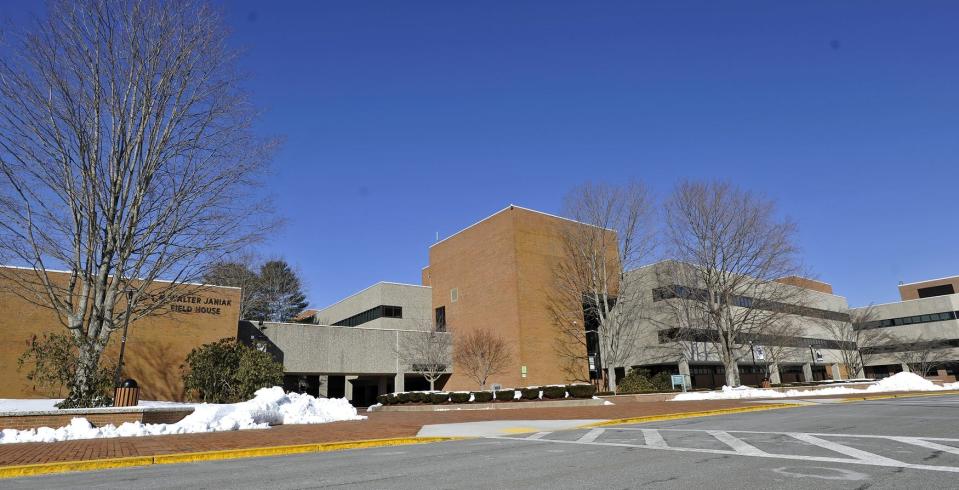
<point x="123" y="339"/>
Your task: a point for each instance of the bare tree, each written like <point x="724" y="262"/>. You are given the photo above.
<point x="126" y="157"/>
<point x="427" y="353"/>
<point x="921" y="354"/>
<point x="858" y="340"/>
<point x="480" y="354"/>
<point x="729" y="249"/>
<point x="591" y="280"/>
<point x="238" y="272"/>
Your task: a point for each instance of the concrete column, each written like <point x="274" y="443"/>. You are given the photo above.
<point x="774" y="374"/>
<point x="836" y="373"/>
<point x="807" y="372"/>
<point x="905" y="368"/>
<point x="399" y="382"/>
<point x="348" y="387"/>
<point x="684" y="367"/>
<point x="324" y="385"/>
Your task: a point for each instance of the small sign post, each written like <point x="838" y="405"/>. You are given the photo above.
<point x="679" y="380"/>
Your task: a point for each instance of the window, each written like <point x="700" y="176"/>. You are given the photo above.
<point x="936" y="291"/>
<point x="454" y="295"/>
<point x="370" y="315"/>
<point x="441" y="319"/>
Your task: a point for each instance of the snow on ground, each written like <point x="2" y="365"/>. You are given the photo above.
<point x="897" y="382"/>
<point x="269" y="406"/>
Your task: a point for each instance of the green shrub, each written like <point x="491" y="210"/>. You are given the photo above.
<point x="605" y="393"/>
<point x="383" y="399"/>
<point x="505" y="395"/>
<point x="439" y="397"/>
<point x="228" y="371"/>
<point x="639" y="381"/>
<point x="460" y="397"/>
<point x="417" y="397"/>
<point x="391" y="399"/>
<point x="482" y="396"/>
<point x="402" y="397"/>
<point x="581" y="391"/>
<point x="663" y="381"/>
<point x="554" y="392"/>
<point x="530" y="393"/>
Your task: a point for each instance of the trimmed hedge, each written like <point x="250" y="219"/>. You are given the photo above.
<point x="418" y="397"/>
<point x="460" y="397"/>
<point x="439" y="397"/>
<point x="530" y="393"/>
<point x="505" y="395"/>
<point x="383" y="399"/>
<point x="581" y="391"/>
<point x="402" y="397"/>
<point x="554" y="392"/>
<point x="482" y="396"/>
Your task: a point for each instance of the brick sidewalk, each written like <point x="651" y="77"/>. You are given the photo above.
<point x="380" y="425"/>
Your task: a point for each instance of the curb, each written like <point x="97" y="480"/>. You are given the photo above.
<point x="104" y="464"/>
<point x="899" y="395"/>
<point x="689" y="415"/>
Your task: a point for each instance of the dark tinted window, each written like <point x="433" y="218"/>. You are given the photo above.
<point x="936" y="291"/>
<point x="441" y="319"/>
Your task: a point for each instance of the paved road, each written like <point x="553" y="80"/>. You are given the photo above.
<point x="897" y="443"/>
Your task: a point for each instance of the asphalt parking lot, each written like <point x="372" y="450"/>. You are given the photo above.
<point x="895" y="443"/>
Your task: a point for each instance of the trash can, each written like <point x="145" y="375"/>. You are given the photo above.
<point x="127" y="394"/>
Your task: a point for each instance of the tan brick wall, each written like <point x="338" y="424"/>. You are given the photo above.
<point x="502" y="268"/>
<point x="156" y="346"/>
<point x="911" y="291"/>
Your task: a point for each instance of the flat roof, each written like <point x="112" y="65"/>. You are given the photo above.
<point x="929" y="280"/>
<point x="371" y="287"/>
<point x="58" y="271"/>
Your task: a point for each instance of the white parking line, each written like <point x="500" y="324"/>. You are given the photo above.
<point x="654" y="441"/>
<point x="740" y="446"/>
<point x="591" y="435"/>
<point x="927" y="444"/>
<point x="653" y="438"/>
<point x="848" y="451"/>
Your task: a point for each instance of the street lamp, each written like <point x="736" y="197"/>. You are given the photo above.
<point x="123" y="339"/>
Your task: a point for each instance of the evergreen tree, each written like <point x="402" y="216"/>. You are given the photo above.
<point x="280" y="297"/>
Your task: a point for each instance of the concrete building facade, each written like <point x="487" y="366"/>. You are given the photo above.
<point x="920" y="332"/>
<point x="806" y="350"/>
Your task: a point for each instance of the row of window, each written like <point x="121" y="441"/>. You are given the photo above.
<point x="705" y="335"/>
<point x="698" y="294"/>
<point x="912" y="346"/>
<point x="382" y="311"/>
<point x="909" y="320"/>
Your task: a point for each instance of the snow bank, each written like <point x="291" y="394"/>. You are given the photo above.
<point x="897" y="382"/>
<point x="269" y="406"/>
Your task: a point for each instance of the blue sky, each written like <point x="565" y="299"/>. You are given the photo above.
<point x="406" y="119"/>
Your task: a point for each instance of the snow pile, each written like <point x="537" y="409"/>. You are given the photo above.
<point x="897" y="382"/>
<point x="269" y="406"/>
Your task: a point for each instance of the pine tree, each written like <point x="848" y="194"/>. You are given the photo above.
<point x="280" y="296"/>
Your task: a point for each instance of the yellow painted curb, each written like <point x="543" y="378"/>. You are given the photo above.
<point x="297" y="449"/>
<point x="103" y="464"/>
<point x="899" y="395"/>
<point x="689" y="415"/>
<point x="95" y="464"/>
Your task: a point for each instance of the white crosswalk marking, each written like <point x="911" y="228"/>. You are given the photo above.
<point x="927" y="444"/>
<point x="591" y="435"/>
<point x="848" y="451"/>
<point x="653" y="438"/>
<point x="738" y="445"/>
